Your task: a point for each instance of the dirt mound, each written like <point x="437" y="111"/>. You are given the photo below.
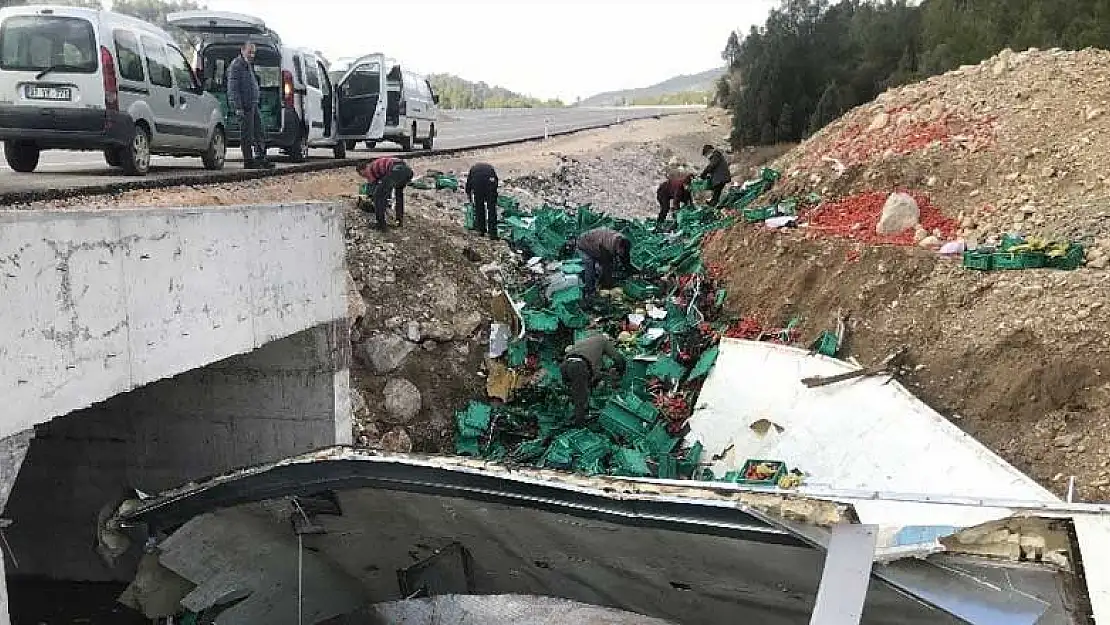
<point x="1020" y="360"/>
<point x="1016" y="143"/>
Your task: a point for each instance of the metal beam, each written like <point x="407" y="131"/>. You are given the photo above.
<point x="847" y="575"/>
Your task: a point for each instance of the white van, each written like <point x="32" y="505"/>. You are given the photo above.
<point x="407" y="116"/>
<point x="83" y="79"/>
<point x="298" y="100"/>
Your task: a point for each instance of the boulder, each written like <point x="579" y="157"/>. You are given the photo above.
<point x="356" y="305"/>
<point x="386" y="352"/>
<point x="900" y="213"/>
<point x="402" y="399"/>
<point x="397" y="441"/>
<point x="359" y="408"/>
<point x="438" y="331"/>
<point x="412" y="332"/>
<point x="465" y="325"/>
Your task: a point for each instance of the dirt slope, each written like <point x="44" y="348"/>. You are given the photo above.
<point x="1020" y="360"/>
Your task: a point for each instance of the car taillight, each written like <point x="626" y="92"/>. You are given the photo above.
<point x="287" y="88"/>
<point x="111" y="85"/>
<point x="404" y="107"/>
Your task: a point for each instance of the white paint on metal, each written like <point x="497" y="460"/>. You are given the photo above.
<point x="846" y="576"/>
<point x="864" y="434"/>
<point x="1093" y="533"/>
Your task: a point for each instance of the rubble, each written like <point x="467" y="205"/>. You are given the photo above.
<point x="402" y="400"/>
<point x="386" y="352"/>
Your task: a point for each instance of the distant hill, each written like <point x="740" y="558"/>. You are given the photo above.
<point x="459" y="93"/>
<point x="686" y="89"/>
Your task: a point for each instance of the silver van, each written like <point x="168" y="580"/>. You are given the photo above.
<point x="84" y="79"/>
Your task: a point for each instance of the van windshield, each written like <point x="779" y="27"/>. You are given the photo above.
<point x="41" y="42"/>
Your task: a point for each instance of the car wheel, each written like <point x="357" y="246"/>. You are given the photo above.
<point x="351" y="145"/>
<point x="22" y="156"/>
<point x="340" y="150"/>
<point x="136" y="156"/>
<point x="406" y="142"/>
<point x="370" y="145"/>
<point x="112" y="157"/>
<point x="430" y="141"/>
<point x="216" y="155"/>
<point x="299" y="152"/>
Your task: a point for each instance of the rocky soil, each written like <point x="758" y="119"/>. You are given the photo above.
<point x="419" y="295"/>
<point x="1020" y="360"/>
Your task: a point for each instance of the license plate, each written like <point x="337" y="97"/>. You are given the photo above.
<point x="57" y="94"/>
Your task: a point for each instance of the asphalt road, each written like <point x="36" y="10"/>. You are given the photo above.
<point x="457" y="129"/>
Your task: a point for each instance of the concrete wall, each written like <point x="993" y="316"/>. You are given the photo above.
<point x="288" y="397"/>
<point x="166" y="345"/>
<point x="99" y="302"/>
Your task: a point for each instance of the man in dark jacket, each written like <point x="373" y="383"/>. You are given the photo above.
<point x="481" y="188"/>
<point x="243" y="95"/>
<point x="388" y="175"/>
<point x="600" y="250"/>
<point x="582" y="368"/>
<point x="672" y="194"/>
<point x="716" y="172"/>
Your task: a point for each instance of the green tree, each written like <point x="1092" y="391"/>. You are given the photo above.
<point x="155" y="12"/>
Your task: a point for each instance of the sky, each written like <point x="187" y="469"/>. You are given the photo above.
<point x="567" y="49"/>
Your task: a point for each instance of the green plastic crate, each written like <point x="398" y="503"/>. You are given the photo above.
<point x="666" y="368"/>
<point x="568" y="296"/>
<point x="475" y="419"/>
<point x="1018" y="260"/>
<point x="667" y="468"/>
<point x="449" y="183"/>
<point x="688" y="466"/>
<point x="771" y="481"/>
<point x="705" y="363"/>
<point x="529" y="450"/>
<point x="518" y="353"/>
<point x="1072" y="259"/>
<point x="540" y="321"/>
<point x="698" y="185"/>
<point x="630" y="462"/>
<point x="571" y="316"/>
<point x="639" y="290"/>
<point x="827" y="344"/>
<point x="624" y="422"/>
<point x="979" y="260"/>
<point x="1009" y="241"/>
<point x="755" y="215"/>
<point x="573" y="267"/>
<point x="468" y="216"/>
<point x="659" y="441"/>
<point x="507" y="202"/>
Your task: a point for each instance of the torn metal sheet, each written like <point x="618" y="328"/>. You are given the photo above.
<point x="862" y="434"/>
<point x="510" y="520"/>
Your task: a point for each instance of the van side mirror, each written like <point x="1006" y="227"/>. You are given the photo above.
<point x="435" y="98"/>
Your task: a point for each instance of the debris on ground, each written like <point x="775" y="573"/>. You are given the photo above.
<point x="666" y="319"/>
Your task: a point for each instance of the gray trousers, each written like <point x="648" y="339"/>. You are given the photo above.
<point x="252" y="140"/>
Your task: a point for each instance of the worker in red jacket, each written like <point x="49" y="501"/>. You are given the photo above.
<point x="672" y="194"/>
<point x="389" y="175"/>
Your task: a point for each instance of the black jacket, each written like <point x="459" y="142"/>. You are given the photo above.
<point x="482" y="177"/>
<point x="717" y="172"/>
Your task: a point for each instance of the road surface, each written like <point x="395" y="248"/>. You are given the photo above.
<point x="456" y="129"/>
